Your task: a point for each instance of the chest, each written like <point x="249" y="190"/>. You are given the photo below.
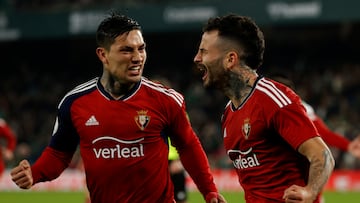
<point x="122" y="120"/>
<point x="244" y="128"/>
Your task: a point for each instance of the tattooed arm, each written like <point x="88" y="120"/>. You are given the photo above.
<point x="321" y="166"/>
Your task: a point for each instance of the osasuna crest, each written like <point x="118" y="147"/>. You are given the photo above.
<point x="246" y="128"/>
<point x="142" y="119"/>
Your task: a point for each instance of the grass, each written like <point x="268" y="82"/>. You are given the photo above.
<point x="330" y="197"/>
<point x="194" y="197"/>
<point x="42" y="197"/>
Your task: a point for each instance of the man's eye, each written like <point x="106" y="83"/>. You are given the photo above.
<point x="125" y="50"/>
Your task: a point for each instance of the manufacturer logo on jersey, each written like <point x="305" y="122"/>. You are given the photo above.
<point x="142" y="119"/>
<point x="122" y="148"/>
<point x="92" y="121"/>
<point x="246" y="128"/>
<point x="243" y="160"/>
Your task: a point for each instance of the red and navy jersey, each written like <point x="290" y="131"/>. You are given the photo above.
<point x="124" y="142"/>
<point x="262" y="136"/>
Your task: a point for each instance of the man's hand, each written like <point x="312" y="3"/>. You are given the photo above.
<point x="354" y="147"/>
<point x="21" y="175"/>
<point x="297" y="194"/>
<point x="214" y="197"/>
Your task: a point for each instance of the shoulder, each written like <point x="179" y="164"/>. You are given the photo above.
<point x="78" y="91"/>
<point x="272" y="92"/>
<point x="163" y="92"/>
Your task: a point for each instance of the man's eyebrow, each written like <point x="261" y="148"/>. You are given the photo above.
<point x="202" y="49"/>
<point x="126" y="47"/>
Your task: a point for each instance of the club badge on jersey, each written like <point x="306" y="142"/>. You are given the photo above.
<point x="142" y="119"/>
<point x="246" y="128"/>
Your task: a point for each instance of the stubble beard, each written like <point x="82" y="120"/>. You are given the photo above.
<point x="231" y="84"/>
<point x="216" y="79"/>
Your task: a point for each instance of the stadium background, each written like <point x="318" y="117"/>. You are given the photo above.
<point x="48" y="47"/>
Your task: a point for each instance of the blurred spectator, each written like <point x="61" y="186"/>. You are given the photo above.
<point x="7" y="144"/>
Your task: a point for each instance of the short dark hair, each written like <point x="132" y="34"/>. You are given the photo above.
<point x="113" y="26"/>
<point x="244" y="32"/>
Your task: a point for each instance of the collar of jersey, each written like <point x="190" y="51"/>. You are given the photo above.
<point x="127" y="95"/>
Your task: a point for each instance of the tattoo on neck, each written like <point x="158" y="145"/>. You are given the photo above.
<point x="240" y="88"/>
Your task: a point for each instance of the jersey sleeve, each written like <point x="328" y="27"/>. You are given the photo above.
<point x="63" y="143"/>
<point x="191" y="153"/>
<point x="64" y="137"/>
<point x="50" y="165"/>
<point x="293" y="124"/>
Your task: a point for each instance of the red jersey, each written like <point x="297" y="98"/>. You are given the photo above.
<point x="262" y="136"/>
<point x="124" y="143"/>
<point x="8" y="135"/>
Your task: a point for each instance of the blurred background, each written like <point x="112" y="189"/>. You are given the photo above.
<point x="48" y="46"/>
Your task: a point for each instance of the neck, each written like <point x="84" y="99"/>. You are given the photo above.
<point x="115" y="88"/>
<point x="240" y="85"/>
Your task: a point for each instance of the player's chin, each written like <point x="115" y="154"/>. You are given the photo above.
<point x="134" y="78"/>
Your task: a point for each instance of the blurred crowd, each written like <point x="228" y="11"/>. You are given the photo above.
<point x="29" y="99"/>
<point x="31" y="85"/>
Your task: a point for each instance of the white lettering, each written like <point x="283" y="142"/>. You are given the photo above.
<point x="246" y="162"/>
<point x="125" y="152"/>
<point x="283" y="10"/>
<point x="84" y="22"/>
<point x="105" y="153"/>
<point x="189" y="14"/>
<point x="120" y="152"/>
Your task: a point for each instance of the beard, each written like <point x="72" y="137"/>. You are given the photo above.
<point x="217" y="75"/>
<point x="225" y="80"/>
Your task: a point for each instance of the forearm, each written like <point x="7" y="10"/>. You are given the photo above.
<point x="320" y="170"/>
<point x="50" y="165"/>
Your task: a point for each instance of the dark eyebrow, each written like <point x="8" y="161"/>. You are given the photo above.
<point x="126" y="48"/>
<point x="203" y="50"/>
<point x="132" y="48"/>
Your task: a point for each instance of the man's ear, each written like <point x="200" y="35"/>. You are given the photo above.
<point x="101" y="53"/>
<point x="231" y="59"/>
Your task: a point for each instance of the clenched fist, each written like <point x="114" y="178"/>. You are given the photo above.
<point x="21" y="175"/>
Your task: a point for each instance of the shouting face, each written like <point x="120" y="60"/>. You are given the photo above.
<point x="209" y="59"/>
<point x="125" y="59"/>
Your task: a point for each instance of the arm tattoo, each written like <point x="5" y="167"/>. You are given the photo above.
<point x="320" y="171"/>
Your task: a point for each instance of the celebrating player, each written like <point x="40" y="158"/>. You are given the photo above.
<point x="121" y="122"/>
<point x="6" y="152"/>
<point x="275" y="148"/>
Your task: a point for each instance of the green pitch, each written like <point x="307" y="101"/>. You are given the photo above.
<point x="330" y="197"/>
<point x="194" y="197"/>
